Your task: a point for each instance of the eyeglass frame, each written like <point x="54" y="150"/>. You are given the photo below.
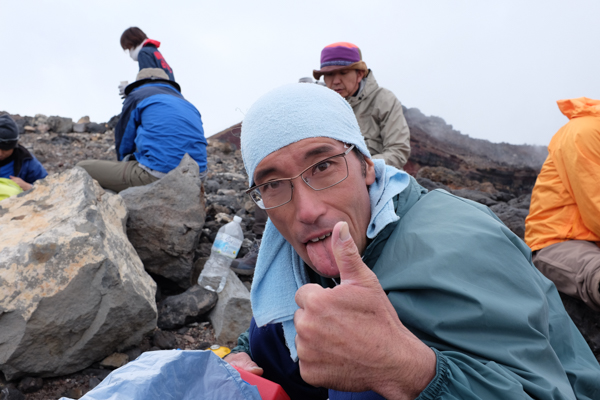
<point x="343" y="155"/>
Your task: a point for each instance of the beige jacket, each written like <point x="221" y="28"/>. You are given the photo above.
<point x="382" y="123"/>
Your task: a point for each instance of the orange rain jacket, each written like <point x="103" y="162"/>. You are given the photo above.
<point x="565" y="203"/>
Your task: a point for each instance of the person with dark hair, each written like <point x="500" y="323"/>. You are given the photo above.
<point x="16" y="162"/>
<point x="367" y="286"/>
<point x="144" y="51"/>
<point x="157" y="127"/>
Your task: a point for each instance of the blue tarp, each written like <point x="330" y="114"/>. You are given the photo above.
<point x="174" y="375"/>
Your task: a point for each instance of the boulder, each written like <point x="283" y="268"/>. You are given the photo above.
<point x="185" y="308"/>
<point x="11" y="393"/>
<point x="164" y="339"/>
<point x="93" y="127"/>
<point x="112" y="123"/>
<point x="79" y="128"/>
<point x="232" y="314"/>
<point x="165" y="222"/>
<point x="31" y="384"/>
<point x="60" y="124"/>
<point x="523" y="202"/>
<point x="40" y="119"/>
<point x="513" y="218"/>
<point x="72" y="288"/>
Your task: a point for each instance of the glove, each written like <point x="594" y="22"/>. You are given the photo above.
<point x="122" y="87"/>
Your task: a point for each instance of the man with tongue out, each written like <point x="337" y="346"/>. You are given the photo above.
<point x="367" y="286"/>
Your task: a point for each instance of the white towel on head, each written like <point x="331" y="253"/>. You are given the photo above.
<point x="280" y="271"/>
<point x="292" y="113"/>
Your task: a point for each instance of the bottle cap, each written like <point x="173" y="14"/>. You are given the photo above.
<point x="237" y="219"/>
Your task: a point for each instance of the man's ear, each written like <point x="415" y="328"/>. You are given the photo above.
<point x="370" y="173"/>
<point x="360" y="74"/>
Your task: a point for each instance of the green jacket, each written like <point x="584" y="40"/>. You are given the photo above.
<point x="464" y="284"/>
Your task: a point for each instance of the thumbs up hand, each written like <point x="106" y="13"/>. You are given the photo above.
<point x="350" y="338"/>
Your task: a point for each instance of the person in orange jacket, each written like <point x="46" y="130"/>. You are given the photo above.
<point x="563" y="226"/>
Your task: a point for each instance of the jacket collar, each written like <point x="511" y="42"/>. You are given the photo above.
<point x="403" y="202"/>
<point x="369" y="87"/>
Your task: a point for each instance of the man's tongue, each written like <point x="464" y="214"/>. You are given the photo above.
<point x="321" y="256"/>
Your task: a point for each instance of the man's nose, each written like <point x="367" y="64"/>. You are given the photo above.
<point x="308" y="207"/>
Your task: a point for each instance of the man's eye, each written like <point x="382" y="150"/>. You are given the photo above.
<point x="322" y="167"/>
<point x="271" y="186"/>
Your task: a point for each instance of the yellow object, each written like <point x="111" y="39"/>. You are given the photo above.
<point x="221" y="351"/>
<point x="565" y="203"/>
<point x="8" y="188"/>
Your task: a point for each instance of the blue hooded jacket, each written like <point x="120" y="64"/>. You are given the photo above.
<point x="23" y="165"/>
<point x="158" y="126"/>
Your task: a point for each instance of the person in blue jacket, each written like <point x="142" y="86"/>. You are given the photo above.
<point x="16" y="162"/>
<point x="156" y="129"/>
<point x="367" y="286"/>
<point x="144" y="51"/>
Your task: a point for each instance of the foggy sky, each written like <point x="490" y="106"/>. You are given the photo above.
<point x="492" y="69"/>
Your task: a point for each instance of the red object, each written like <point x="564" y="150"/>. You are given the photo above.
<point x="268" y="390"/>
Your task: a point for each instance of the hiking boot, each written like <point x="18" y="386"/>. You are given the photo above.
<point x="246" y="264"/>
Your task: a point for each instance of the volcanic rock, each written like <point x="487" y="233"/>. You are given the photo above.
<point x="72" y="288"/>
<point x="233" y="312"/>
<point x="60" y="124"/>
<point x="164" y="339"/>
<point x="513" y="218"/>
<point x="165" y="221"/>
<point x="114" y="361"/>
<point x="11" y="393"/>
<point x="185" y="308"/>
<point x="93" y="127"/>
<point x="79" y="128"/>
<point x="31" y="384"/>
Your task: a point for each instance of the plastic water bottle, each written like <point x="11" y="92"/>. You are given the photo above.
<point x="224" y="250"/>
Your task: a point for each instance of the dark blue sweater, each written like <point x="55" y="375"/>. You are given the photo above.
<point x="150" y="57"/>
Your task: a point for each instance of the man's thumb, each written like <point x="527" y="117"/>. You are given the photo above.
<point x="351" y="267"/>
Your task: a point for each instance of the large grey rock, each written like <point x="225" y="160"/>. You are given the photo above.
<point x="233" y="312"/>
<point x="79" y="128"/>
<point x="72" y="288"/>
<point x="60" y="124"/>
<point x="523" y="202"/>
<point x="165" y="222"/>
<point x="93" y="127"/>
<point x="185" y="308"/>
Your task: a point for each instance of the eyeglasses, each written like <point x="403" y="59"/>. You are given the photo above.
<point x="321" y="175"/>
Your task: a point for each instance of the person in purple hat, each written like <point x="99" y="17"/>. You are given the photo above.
<point x="378" y="111"/>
